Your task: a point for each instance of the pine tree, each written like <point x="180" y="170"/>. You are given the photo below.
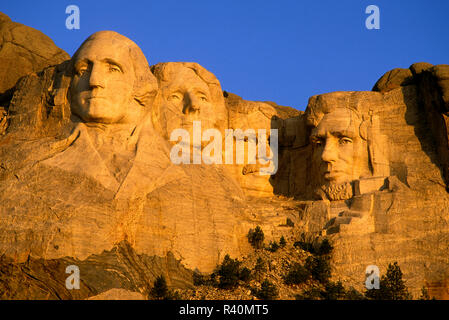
<point x="297" y="274"/>
<point x="424" y="294"/>
<point x="273" y="246"/>
<point x="392" y="287"/>
<point x="282" y="242"/>
<point x="260" y="268"/>
<point x="325" y="247"/>
<point x="229" y="272"/>
<point x="268" y="291"/>
<point x="160" y="289"/>
<point x="319" y="268"/>
<point x="256" y="237"/>
<point x="245" y="274"/>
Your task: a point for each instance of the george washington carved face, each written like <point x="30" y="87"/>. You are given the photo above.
<point x="109" y="75"/>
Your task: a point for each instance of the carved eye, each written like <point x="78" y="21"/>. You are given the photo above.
<point x="113" y="68"/>
<point x="174" y="97"/>
<point x="345" y="140"/>
<point x="203" y="98"/>
<point x="317" y="142"/>
<point x="82" y="70"/>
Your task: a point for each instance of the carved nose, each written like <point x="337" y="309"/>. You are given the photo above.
<point x="191" y="104"/>
<point x="96" y="78"/>
<point x="330" y="152"/>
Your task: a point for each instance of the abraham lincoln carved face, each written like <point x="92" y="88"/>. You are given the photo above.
<point x="339" y="147"/>
<point x="336" y="146"/>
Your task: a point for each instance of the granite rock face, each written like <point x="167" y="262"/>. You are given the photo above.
<point x="87" y="176"/>
<point x="397" y="211"/>
<point x="23" y="50"/>
<point x="128" y="189"/>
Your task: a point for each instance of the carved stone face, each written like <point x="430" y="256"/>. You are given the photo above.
<point x="102" y="85"/>
<point x="186" y="98"/>
<point x="337" y="147"/>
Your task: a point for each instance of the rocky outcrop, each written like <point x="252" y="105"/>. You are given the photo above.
<point x="23" y="50"/>
<point x="119" y="273"/>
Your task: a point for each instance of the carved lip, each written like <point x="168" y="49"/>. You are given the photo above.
<point x="188" y="123"/>
<point x="95" y="97"/>
<point x="332" y="175"/>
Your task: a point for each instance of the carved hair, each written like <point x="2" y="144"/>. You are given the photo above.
<point x="162" y="71"/>
<point x="320" y="105"/>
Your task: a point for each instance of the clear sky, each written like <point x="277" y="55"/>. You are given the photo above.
<point x="268" y="50"/>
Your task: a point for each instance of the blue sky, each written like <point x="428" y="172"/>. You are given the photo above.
<point x="282" y="51"/>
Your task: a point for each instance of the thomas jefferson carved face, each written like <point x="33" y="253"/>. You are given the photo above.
<point x="337" y="147"/>
<point x="188" y="93"/>
<point x="102" y="84"/>
<point x="187" y="98"/>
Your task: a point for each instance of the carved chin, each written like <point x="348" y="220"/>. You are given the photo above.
<point x="340" y="191"/>
<point x="95" y="112"/>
